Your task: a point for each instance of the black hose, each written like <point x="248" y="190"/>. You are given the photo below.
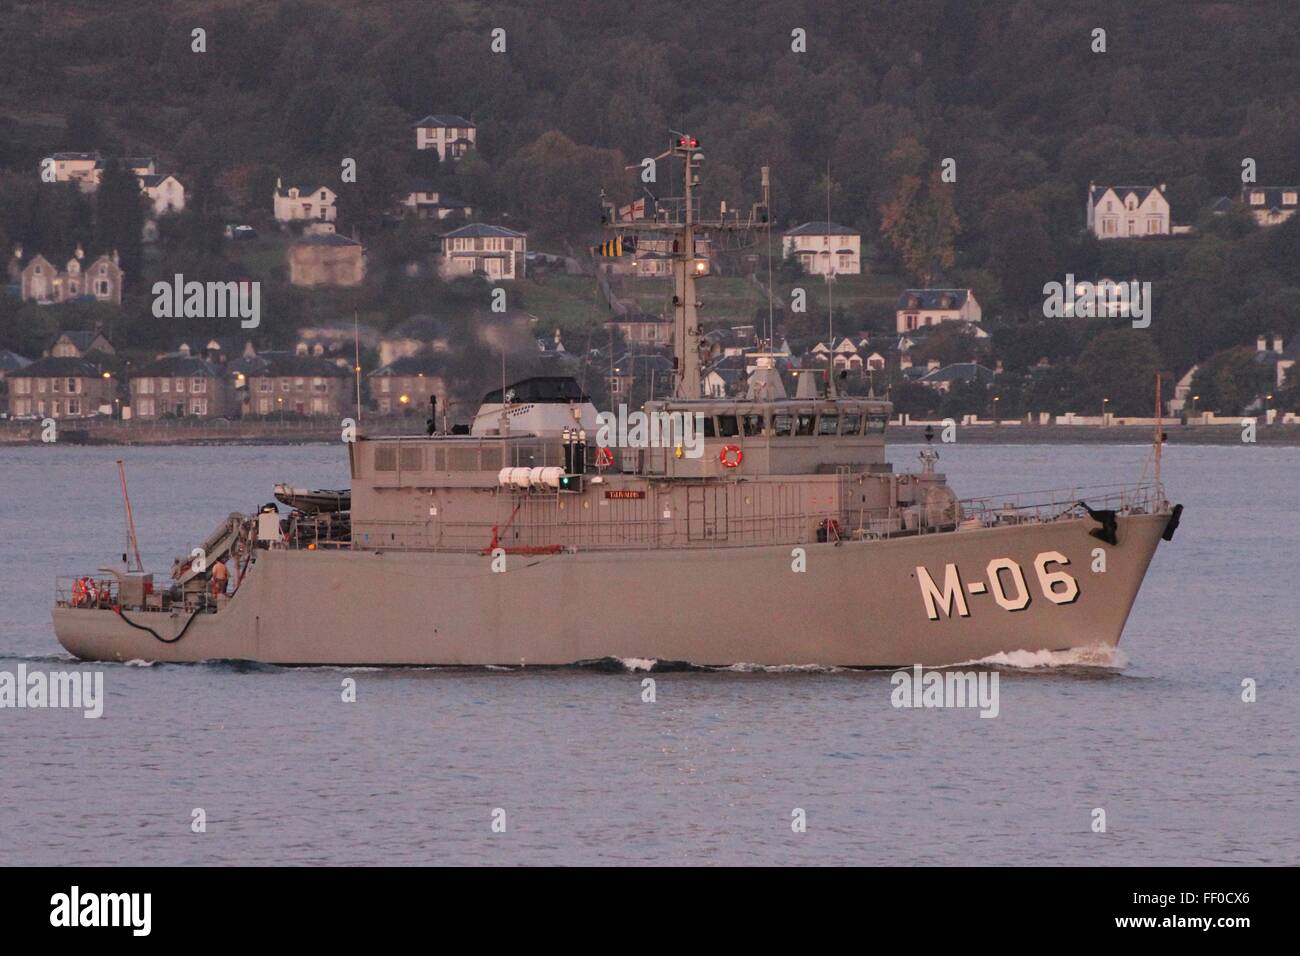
<point x="157" y="636"/>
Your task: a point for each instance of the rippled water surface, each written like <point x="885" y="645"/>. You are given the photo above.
<point x="712" y="770"/>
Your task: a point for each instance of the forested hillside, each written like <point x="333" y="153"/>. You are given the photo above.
<point x="1014" y="92"/>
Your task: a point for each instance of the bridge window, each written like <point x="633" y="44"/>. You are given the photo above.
<point x="876" y="424"/>
<point x="804" y="423"/>
<point x="728" y="427"/>
<point x="385" y="458"/>
<point x="852" y="424"/>
<point x="828" y="425"/>
<point x="782" y="425"/>
<point x="709" y="430"/>
<point x="753" y="425"/>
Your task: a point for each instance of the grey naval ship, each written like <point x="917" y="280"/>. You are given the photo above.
<point x="777" y="535"/>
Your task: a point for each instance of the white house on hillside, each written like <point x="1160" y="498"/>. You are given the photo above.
<point x="844" y="355"/>
<point x="824" y="248"/>
<point x="77" y="168"/>
<point x="1271" y="205"/>
<point x="294" y="204"/>
<point x="918" y="308"/>
<point x="451" y="135"/>
<point x="1128" y="212"/>
<point x="166" y="193"/>
<point x="495" y="251"/>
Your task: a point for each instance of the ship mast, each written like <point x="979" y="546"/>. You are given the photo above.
<point x="682" y="228"/>
<point x="686" y="326"/>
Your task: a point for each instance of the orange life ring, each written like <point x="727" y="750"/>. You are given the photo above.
<point x="731" y="456"/>
<point x="604" y="457"/>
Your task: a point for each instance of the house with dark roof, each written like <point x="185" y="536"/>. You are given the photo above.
<point x="422" y="199"/>
<point x="843" y="355"/>
<point x="326" y="259"/>
<point x="79" y="168"/>
<point x="138" y="166"/>
<point x="9" y="362"/>
<point x="639" y="328"/>
<point x="39" y="280"/>
<point x="417" y="334"/>
<point x="76" y="343"/>
<point x="1282" y="360"/>
<point x="214" y="348"/>
<point x="495" y="252"/>
<point x="920" y="308"/>
<point x="61" y="387"/>
<point x="87" y="169"/>
<point x="405" y="384"/>
<point x="293" y="203"/>
<point x="336" y="337"/>
<point x="1128" y="212"/>
<point x="725" y="377"/>
<point x="278" y="383"/>
<point x="1271" y="205"/>
<point x="166" y="193"/>
<point x="450" y="134"/>
<point x="824" y="248"/>
<point x="182" y="386"/>
<point x="943" y="379"/>
<point x="651" y="368"/>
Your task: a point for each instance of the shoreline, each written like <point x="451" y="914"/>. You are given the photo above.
<point x="262" y="433"/>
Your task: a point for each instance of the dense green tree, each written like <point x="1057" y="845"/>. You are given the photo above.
<point x="119" y="219"/>
<point x="1231" y="380"/>
<point x="556" y="185"/>
<point x="922" y="226"/>
<point x="1119" y="365"/>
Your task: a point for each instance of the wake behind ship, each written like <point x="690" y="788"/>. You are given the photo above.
<point x="782" y="536"/>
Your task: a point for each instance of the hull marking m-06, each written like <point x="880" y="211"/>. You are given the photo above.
<point x="1004" y="580"/>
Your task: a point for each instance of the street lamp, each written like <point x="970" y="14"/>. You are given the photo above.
<point x="1104" y="403"/>
<point x="1195" y="399"/>
<point x="997" y="419"/>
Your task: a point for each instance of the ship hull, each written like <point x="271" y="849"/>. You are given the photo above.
<point x="932" y="599"/>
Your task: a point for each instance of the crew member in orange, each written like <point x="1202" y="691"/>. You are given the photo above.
<point x="220" y="577"/>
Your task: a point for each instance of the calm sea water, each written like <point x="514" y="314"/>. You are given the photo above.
<point x="710" y="773"/>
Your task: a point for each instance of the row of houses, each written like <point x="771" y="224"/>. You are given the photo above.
<point x="207" y="378"/>
<point x="1113" y="212"/>
<point x="1135" y="212"/>
<point x="831" y="249"/>
<point x="165" y="192"/>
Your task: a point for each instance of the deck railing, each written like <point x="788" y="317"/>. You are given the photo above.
<point x="716" y="531"/>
